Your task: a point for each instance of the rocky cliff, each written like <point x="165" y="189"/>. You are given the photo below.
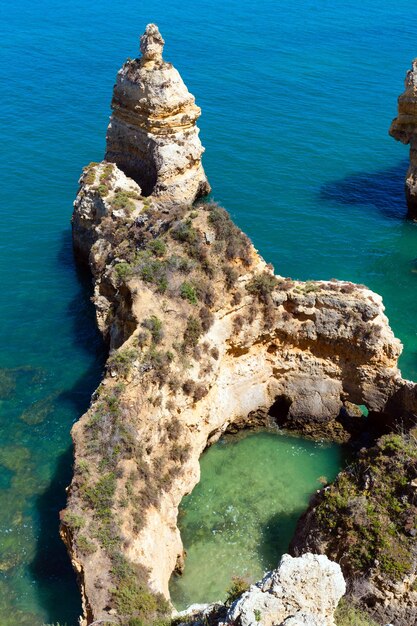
<point x="404" y="129"/>
<point x="367" y="522"/>
<point x="203" y="337"/>
<point x="152" y="136"/>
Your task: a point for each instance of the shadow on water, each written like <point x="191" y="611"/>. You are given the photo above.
<point x="56" y="586"/>
<point x="276" y="536"/>
<point x="382" y="189"/>
<point x="81" y="312"/>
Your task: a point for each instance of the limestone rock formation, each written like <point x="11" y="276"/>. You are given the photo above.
<point x="203" y="337"/>
<point x="302" y="591"/>
<point x="152" y="136"/>
<point x="206" y="337"/>
<point x="404" y="129"/>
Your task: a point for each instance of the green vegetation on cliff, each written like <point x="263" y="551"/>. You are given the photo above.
<point x="368" y="515"/>
<point x="367" y="522"/>
<point x="177" y="254"/>
<point x="349" y="615"/>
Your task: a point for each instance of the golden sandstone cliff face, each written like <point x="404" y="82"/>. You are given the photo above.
<point x="152" y="135"/>
<point x="404" y="129"/>
<point x="203" y="337"/>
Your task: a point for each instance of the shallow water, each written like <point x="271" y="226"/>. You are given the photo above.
<point x="297" y="99"/>
<point x="241" y="516"/>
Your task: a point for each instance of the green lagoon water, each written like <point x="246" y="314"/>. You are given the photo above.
<point x="241" y="516"/>
<point x="297" y="98"/>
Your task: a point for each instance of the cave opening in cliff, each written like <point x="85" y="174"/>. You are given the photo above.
<point x="139" y="168"/>
<point x="280" y="408"/>
<point x="240" y="518"/>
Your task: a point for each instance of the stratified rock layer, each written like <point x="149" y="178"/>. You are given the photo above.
<point x="152" y="135"/>
<point x="302" y="591"/>
<point x="404" y="129"/>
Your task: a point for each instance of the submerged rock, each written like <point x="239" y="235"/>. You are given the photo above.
<point x="404" y="129"/>
<point x="7" y="383"/>
<point x="38" y="411"/>
<point x="11" y="377"/>
<point x="152" y="136"/>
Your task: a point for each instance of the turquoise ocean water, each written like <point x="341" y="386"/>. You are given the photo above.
<point x="297" y="99"/>
<point x="241" y="516"/>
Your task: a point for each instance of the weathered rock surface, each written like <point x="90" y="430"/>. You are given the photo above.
<point x="302" y="591"/>
<point x="205" y="338"/>
<point x="152" y="135"/>
<point x="404" y="129"/>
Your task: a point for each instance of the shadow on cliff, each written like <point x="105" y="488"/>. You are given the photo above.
<point x="382" y="189"/>
<point x="81" y="312"/>
<point x="56" y="586"/>
<point x="85" y="334"/>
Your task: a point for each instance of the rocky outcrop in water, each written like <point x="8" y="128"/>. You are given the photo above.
<point x="302" y="591"/>
<point x="204" y="337"/>
<point x="404" y="129"/>
<point x="152" y="136"/>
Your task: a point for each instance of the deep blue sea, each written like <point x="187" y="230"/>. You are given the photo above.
<point x="297" y="98"/>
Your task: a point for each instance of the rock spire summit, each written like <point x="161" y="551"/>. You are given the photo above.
<point x="152" y="44"/>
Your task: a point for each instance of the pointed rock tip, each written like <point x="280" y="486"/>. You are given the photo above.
<point x="151" y="43"/>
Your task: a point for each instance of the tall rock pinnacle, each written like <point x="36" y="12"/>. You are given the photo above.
<point x="152" y="136"/>
<point x="151" y="44"/>
<point x="404" y="129"/>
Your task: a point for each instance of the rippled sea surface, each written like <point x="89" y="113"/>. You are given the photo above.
<point x="240" y="518"/>
<point x="297" y="98"/>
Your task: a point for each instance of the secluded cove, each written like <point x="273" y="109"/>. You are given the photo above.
<point x="241" y="516"/>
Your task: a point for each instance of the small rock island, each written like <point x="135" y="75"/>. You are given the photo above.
<point x="204" y="337"/>
<point x="404" y="129"/>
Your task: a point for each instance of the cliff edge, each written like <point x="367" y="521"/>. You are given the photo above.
<point x="302" y="591"/>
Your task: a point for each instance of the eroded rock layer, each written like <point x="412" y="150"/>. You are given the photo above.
<point x="152" y="135"/>
<point x="404" y="129"/>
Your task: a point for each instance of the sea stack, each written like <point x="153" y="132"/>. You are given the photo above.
<point x="152" y="136"/>
<point x="404" y="129"/>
